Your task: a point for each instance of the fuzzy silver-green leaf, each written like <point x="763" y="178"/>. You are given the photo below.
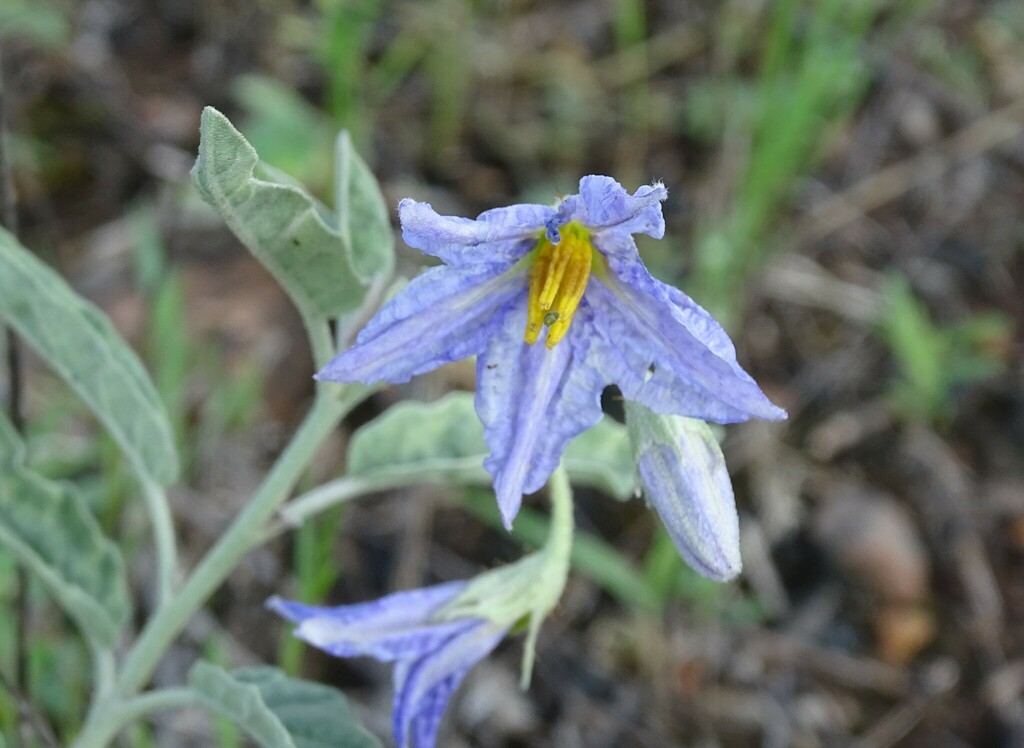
<point x="48" y="528"/>
<point x="443" y="440"/>
<point x="82" y="346"/>
<point x="278" y="711"/>
<point x="326" y="268"/>
<point x="361" y="211"/>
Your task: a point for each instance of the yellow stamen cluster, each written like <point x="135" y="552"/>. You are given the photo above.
<point x="558" y="279"/>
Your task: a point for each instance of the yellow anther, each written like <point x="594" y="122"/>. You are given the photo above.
<point x="558" y="279"/>
<point x="539" y="271"/>
<point x="560" y="259"/>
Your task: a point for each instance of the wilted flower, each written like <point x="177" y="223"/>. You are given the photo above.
<point x="569" y="275"/>
<point x="431" y="655"/>
<point x="685" y="479"/>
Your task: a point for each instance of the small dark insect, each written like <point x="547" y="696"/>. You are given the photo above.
<point x="492" y="366"/>
<point x="551" y="318"/>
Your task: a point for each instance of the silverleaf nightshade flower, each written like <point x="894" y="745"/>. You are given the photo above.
<point x="431" y="654"/>
<point x="556" y="303"/>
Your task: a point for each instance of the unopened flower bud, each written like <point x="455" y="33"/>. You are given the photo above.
<point x="683" y="472"/>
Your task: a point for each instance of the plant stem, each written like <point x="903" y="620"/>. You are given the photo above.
<point x="154" y="701"/>
<point x="462" y="471"/>
<point x="9" y="220"/>
<point x="532" y="586"/>
<point x="338" y="491"/>
<point x="111" y="718"/>
<point x="164" y="540"/>
<point x="103" y="680"/>
<point x="103" y="669"/>
<point x="320" y="343"/>
<point x="557" y="551"/>
<point x="221" y="559"/>
<point x="559" y="542"/>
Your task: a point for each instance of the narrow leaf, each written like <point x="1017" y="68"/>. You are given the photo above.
<point x="444" y="440"/>
<point x="79" y="342"/>
<point x="278" y="711"/>
<point x="47" y="526"/>
<point x="291" y="233"/>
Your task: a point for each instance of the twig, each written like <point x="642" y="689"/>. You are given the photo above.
<point x="761" y="572"/>
<point x="937" y="684"/>
<point x="940" y="486"/>
<point x="802" y="281"/>
<point x="854" y="671"/>
<point x="9" y="220"/>
<point x="9" y="216"/>
<point x="889" y="183"/>
<point x="28" y="712"/>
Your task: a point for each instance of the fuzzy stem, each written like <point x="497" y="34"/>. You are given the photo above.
<point x="161" y="630"/>
<point x="559" y="542"/>
<point x="106" y="719"/>
<point x="164" y="540"/>
<point x="113" y="717"/>
<point x="462" y="471"/>
<point x="557" y="550"/>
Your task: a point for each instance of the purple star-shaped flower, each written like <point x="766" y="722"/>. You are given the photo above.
<point x="431" y="657"/>
<point x="570" y="275"/>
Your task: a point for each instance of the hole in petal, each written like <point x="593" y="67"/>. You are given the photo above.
<point x="611" y="403"/>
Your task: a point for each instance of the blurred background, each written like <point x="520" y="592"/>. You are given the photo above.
<point x="846" y="193"/>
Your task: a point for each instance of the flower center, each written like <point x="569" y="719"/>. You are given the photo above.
<point x="558" y="279"/>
